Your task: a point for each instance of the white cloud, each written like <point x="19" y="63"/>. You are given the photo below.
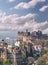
<point x="24" y="5"/>
<point x="43" y="8"/>
<point x="13" y="22"/>
<point x="16" y="22"/>
<point x="34" y="26"/>
<point x="10" y="0"/>
<point x="45" y="31"/>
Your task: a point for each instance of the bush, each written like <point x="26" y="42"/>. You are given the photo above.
<point x="43" y="60"/>
<point x="23" y="57"/>
<point x="43" y="52"/>
<point x="6" y="62"/>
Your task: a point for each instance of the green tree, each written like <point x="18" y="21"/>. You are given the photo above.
<point x="6" y="62"/>
<point x="43" y="60"/>
<point x="30" y="60"/>
<point x="24" y="57"/>
<point x="1" y="63"/>
<point x="43" y="52"/>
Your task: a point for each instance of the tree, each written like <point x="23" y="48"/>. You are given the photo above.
<point x="43" y="52"/>
<point x="24" y="57"/>
<point x="30" y="60"/>
<point x="43" y="60"/>
<point x="46" y="44"/>
<point x="6" y="62"/>
<point x="1" y="63"/>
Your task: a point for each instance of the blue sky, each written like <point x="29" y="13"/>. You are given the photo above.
<point x="19" y="15"/>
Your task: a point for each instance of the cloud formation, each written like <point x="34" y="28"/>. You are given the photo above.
<point x="13" y="22"/>
<point x="25" y="5"/>
<point x="45" y="31"/>
<point x="16" y="22"/>
<point x="43" y="8"/>
<point x="10" y="0"/>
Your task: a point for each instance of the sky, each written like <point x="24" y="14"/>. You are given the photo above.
<point x="19" y="15"/>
